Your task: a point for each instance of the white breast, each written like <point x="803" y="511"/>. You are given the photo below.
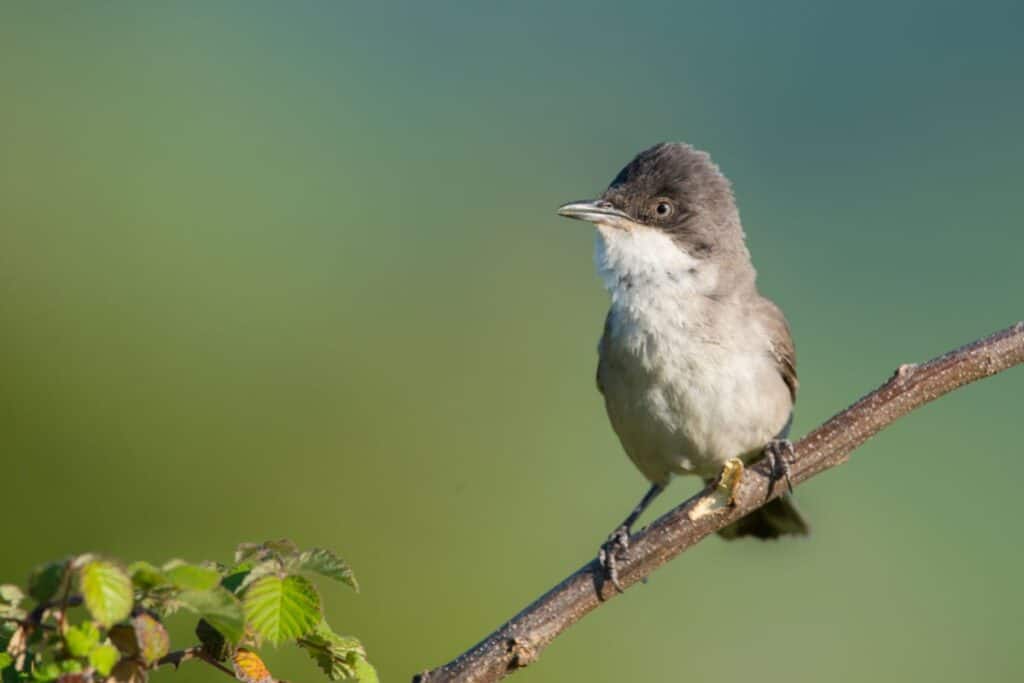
<point x="682" y="380"/>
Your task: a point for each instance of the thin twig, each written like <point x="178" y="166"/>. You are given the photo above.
<point x="28" y="623"/>
<point x="214" y="663"/>
<point x="519" y="642"/>
<point x="176" y="658"/>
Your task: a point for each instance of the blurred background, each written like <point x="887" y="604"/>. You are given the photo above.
<point x="294" y="270"/>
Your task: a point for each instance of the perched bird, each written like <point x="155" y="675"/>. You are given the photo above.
<point x="696" y="367"/>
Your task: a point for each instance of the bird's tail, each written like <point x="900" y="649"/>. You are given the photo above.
<point x="778" y="518"/>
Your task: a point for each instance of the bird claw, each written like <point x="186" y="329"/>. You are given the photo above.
<point x="614" y="549"/>
<point x="780" y="453"/>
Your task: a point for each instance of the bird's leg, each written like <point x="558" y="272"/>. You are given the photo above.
<point x="617" y="545"/>
<point x="779" y="453"/>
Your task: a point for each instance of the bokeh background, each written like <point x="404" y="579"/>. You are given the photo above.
<point x="293" y="269"/>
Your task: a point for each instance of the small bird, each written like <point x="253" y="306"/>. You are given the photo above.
<point x="696" y="367"/>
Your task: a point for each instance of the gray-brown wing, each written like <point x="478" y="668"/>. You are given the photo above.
<point x="783" y="349"/>
<point x="600" y="349"/>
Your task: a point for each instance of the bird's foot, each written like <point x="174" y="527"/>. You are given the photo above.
<point x="780" y="454"/>
<point x="614" y="549"/>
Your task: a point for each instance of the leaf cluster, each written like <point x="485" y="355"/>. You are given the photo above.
<point x="89" y="619"/>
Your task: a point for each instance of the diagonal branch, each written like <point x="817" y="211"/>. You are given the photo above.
<point x="518" y="642"/>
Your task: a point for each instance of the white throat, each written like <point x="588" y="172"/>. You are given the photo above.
<point x="634" y="261"/>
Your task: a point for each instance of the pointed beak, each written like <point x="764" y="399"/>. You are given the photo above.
<point x="596" y="211"/>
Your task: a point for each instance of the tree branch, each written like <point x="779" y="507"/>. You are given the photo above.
<point x="518" y="642"/>
<point x="176" y="658"/>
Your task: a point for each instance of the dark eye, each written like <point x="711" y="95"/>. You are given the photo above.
<point x="663" y="209"/>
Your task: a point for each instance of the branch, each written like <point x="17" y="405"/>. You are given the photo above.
<point x="196" y="652"/>
<point x="519" y="642"/>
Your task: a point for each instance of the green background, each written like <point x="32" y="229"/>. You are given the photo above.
<point x="293" y="269"/>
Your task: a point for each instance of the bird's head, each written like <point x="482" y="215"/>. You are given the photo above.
<point x="673" y="189"/>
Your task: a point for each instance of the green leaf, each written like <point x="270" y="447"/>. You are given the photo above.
<point x="220" y="608"/>
<point x="46" y="580"/>
<point x="70" y="666"/>
<point x="5" y="659"/>
<point x="325" y="563"/>
<point x="282" y="608"/>
<point x="82" y="639"/>
<point x="47" y="671"/>
<point x="334" y="654"/>
<point x="104" y="657"/>
<point x="235" y="576"/>
<point x="9" y="674"/>
<point x="145" y="576"/>
<point x="257" y="572"/>
<point x="107" y="591"/>
<point x="192" y="577"/>
<point x="364" y="671"/>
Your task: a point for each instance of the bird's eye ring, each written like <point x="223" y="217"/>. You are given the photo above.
<point x="663" y="209"/>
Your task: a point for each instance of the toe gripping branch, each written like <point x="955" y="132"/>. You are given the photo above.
<point x="780" y="454"/>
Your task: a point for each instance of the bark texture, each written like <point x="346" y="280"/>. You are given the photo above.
<point x="518" y="642"/>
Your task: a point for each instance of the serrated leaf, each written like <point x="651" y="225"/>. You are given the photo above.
<point x="220" y="608"/>
<point x="256" y="552"/>
<point x="192" y="577"/>
<point x="146" y="576"/>
<point x="281" y="547"/>
<point x="258" y="571"/>
<point x="82" y="639"/>
<point x="150" y="637"/>
<point x="104" y="657"/>
<point x="249" y="668"/>
<point x="107" y="591"/>
<point x="325" y="563"/>
<point x="334" y="654"/>
<point x="144" y="637"/>
<point x="245" y="551"/>
<point x="127" y="671"/>
<point x="364" y="671"/>
<point x="282" y="608"/>
<point x="46" y="579"/>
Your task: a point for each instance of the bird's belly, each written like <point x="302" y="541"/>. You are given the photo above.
<point x="682" y="405"/>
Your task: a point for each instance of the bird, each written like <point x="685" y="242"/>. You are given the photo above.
<point x="696" y="367"/>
